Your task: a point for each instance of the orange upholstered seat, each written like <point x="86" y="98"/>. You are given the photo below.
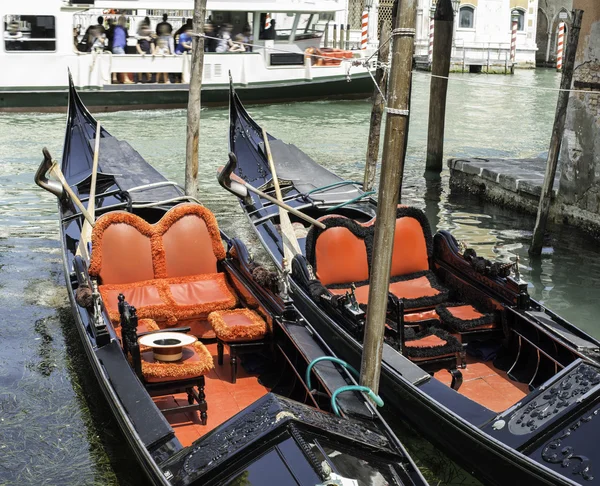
<point x="431" y="343"/>
<point x="341" y="253"/>
<point x="464" y="317"/>
<point x="238" y="325"/>
<point x="196" y="361"/>
<point x="168" y="270"/>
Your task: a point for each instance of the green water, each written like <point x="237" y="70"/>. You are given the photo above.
<point x="54" y="427"/>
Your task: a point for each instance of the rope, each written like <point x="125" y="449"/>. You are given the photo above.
<point x="500" y="85"/>
<point x="365" y="63"/>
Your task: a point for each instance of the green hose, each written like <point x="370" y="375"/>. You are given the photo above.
<point x="335" y="184"/>
<point x="365" y="389"/>
<point x="327" y="358"/>
<point x="350" y="201"/>
<point x="378" y="401"/>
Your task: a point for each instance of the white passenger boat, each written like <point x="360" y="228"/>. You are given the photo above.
<point x="40" y="37"/>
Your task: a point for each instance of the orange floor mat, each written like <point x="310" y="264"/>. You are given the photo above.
<point x="224" y="399"/>
<point x="487" y="385"/>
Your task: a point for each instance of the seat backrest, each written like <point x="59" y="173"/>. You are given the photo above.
<point x="122" y="249"/>
<point x="412" y="242"/>
<point x="338" y="253"/>
<point x="191" y="241"/>
<point x="126" y="248"/>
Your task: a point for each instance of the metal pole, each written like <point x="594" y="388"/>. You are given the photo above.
<point x="557" y="134"/>
<point x="341" y="36"/>
<point x="326" y="36"/>
<point x="193" y="113"/>
<point x="560" y="45"/>
<point x="442" y="50"/>
<point x="377" y="109"/>
<point x="394" y="149"/>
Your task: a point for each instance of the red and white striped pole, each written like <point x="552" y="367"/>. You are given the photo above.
<point x="513" y="39"/>
<point x="364" y="34"/>
<point x="431" y="27"/>
<point x="560" y="46"/>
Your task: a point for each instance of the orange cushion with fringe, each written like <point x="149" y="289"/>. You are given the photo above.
<point x="195" y="362"/>
<point x="238" y="325"/>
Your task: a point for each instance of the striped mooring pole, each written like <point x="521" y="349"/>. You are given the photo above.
<point x="560" y="46"/>
<point x="513" y="39"/>
<point x="364" y="34"/>
<point x="431" y="29"/>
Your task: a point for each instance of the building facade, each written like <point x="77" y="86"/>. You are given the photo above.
<point x="482" y="28"/>
<point x="580" y="150"/>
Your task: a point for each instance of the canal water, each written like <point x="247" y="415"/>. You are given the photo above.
<point x="54" y="427"/>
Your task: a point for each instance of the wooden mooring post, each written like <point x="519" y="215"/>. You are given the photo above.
<point x="392" y="167"/>
<point x="377" y="109"/>
<point x="557" y="134"/>
<point x="193" y="112"/>
<point x="440" y="66"/>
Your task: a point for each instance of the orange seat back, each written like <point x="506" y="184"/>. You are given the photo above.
<point x="121" y="249"/>
<point x="191" y="241"/>
<point x="338" y="253"/>
<point x="126" y="248"/>
<point x="412" y="242"/>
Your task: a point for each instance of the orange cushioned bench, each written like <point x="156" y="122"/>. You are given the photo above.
<point x="167" y="270"/>
<point x="341" y="256"/>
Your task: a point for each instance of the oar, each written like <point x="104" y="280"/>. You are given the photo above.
<point x="56" y="172"/>
<point x="86" y="230"/>
<point x="239" y="187"/>
<point x="291" y="247"/>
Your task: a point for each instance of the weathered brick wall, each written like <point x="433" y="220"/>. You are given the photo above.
<point x="580" y="152"/>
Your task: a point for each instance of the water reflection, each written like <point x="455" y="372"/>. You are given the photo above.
<point x="51" y="434"/>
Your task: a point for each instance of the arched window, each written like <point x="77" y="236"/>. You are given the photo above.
<point x="466" y="17"/>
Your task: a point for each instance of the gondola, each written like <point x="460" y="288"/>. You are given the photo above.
<point x="501" y="384"/>
<point x="162" y="301"/>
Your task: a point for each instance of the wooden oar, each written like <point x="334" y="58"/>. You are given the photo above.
<point x="86" y="230"/>
<point x="56" y="172"/>
<point x="291" y="247"/>
<point x="239" y="187"/>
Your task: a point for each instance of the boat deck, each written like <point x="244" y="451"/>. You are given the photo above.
<point x="224" y="399"/>
<point x="487" y="385"/>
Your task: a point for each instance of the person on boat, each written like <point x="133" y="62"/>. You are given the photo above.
<point x="244" y="38"/>
<point x="210" y="42"/>
<point x="119" y="44"/>
<point x="13" y="36"/>
<point x="225" y="44"/>
<point x="94" y="34"/>
<point x="270" y="33"/>
<point x="165" y="29"/>
<point x="187" y="25"/>
<point x="162" y="48"/>
<point x="145" y="45"/>
<point x="144" y="23"/>
<point x="185" y="41"/>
